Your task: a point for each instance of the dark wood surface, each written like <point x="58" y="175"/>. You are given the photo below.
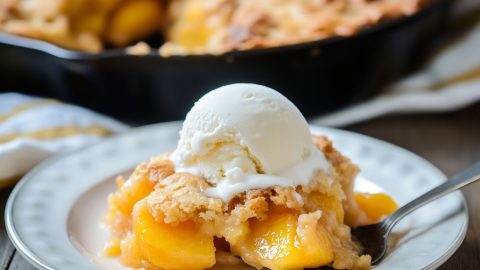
<point x="451" y="141"/>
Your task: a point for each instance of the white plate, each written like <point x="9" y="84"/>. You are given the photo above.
<point x="53" y="214"/>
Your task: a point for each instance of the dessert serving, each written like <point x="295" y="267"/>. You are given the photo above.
<point x="195" y="26"/>
<point x="247" y="180"/>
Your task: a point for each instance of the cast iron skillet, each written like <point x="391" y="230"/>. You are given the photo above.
<point x="317" y="76"/>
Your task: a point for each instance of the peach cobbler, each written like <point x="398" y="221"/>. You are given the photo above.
<point x="247" y="180"/>
<point x="195" y="26"/>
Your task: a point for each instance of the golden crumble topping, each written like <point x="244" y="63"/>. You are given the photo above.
<point x="217" y="26"/>
<point x="194" y="26"/>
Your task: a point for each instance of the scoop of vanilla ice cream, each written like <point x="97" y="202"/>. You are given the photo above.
<point x="242" y="129"/>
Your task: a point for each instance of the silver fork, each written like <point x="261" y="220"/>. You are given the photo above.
<point x="374" y="237"/>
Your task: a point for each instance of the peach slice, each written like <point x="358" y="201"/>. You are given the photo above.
<point x="280" y="242"/>
<point x="131" y="253"/>
<point x="112" y="247"/>
<point x="120" y="205"/>
<point x="195" y="25"/>
<point x="133" y="20"/>
<point x="328" y="203"/>
<point x="129" y="193"/>
<point x="377" y="205"/>
<point x="174" y="247"/>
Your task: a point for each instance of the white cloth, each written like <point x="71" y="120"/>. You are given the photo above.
<point x="32" y="129"/>
<point x="451" y="80"/>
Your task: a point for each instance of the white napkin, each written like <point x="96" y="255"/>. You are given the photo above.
<point x="32" y="129"/>
<point x="451" y="80"/>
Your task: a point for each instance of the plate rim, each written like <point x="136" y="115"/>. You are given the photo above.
<point x="32" y="258"/>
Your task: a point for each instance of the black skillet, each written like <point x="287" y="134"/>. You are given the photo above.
<point x="317" y="76"/>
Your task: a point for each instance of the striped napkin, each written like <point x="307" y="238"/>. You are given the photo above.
<point x="449" y="81"/>
<point x="32" y="129"/>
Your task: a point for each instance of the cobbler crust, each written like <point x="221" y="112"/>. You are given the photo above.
<point x="178" y="197"/>
<point x="248" y="24"/>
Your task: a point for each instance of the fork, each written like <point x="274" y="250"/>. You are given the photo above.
<point x="374" y="237"/>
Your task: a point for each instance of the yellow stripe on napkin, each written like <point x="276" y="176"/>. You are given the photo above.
<point x="26" y="107"/>
<point x="57" y="132"/>
<point x="464" y="77"/>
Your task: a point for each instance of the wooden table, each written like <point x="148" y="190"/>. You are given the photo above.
<point x="450" y="141"/>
